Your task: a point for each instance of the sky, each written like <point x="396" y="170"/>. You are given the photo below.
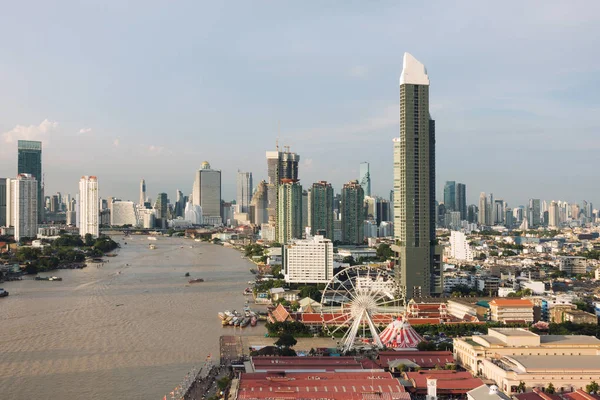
<point x="126" y="90"/>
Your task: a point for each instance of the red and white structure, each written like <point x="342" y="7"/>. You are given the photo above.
<point x="399" y="334"/>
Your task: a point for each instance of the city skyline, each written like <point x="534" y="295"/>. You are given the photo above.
<point x="517" y="120"/>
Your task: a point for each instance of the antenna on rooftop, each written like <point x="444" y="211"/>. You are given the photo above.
<point x="278" y="135"/>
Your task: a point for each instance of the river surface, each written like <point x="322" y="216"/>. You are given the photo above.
<point x="129" y="329"/>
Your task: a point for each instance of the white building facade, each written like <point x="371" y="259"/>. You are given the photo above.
<point x="460" y="249"/>
<point x="21" y="205"/>
<point x="308" y="261"/>
<point x="124" y="213"/>
<point x="88" y="206"/>
<point x="207" y="193"/>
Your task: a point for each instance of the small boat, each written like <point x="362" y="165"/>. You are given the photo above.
<point x="233" y="321"/>
<point x="48" y="278"/>
<point x="187" y="274"/>
<point x="245" y="322"/>
<point x="228" y="319"/>
<point x="253" y="321"/>
<point x="247" y="291"/>
<point x="198" y="280"/>
<point x="252" y="270"/>
<point x="221" y="315"/>
<point x="224" y="323"/>
<point x="238" y="322"/>
<point x="151" y="238"/>
<point x="152" y="246"/>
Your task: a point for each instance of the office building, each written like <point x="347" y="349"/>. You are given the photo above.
<point x="382" y="207"/>
<point x="572" y="265"/>
<point x="207" y="193"/>
<point x="511" y="310"/>
<point x="124" y="213"/>
<point x="553" y="216"/>
<point x="281" y="166"/>
<point x="365" y="178"/>
<point x="179" y="204"/>
<point x="244" y="191"/>
<point x="534" y="213"/>
<point x="461" y="200"/>
<point x="3" y="221"/>
<point x="289" y="212"/>
<point x="21" y="205"/>
<point x="259" y="204"/>
<point x="498" y="212"/>
<point x="450" y="195"/>
<point x="308" y="261"/>
<point x="142" y="192"/>
<point x="472" y="214"/>
<point x="30" y="162"/>
<point x="305" y="208"/>
<point x="414" y="186"/>
<point x="483" y="210"/>
<point x="352" y="212"/>
<point x="321" y="209"/>
<point x="89" y="203"/>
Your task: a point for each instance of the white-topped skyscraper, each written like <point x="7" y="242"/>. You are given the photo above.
<point x="417" y="268"/>
<point x="88" y="206"/>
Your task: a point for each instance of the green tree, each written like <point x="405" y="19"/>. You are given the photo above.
<point x="286" y="340"/>
<point x="310" y="291"/>
<point x="88" y="239"/>
<point x="349" y="260"/>
<point x="593" y="387"/>
<point x="223" y="383"/>
<point x="384" y="252"/>
<point x="521" y="388"/>
<point x="550" y="389"/>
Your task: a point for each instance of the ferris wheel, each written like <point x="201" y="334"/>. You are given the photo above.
<point x="355" y="301"/>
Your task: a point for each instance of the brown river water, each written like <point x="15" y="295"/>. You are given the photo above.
<point x="129" y="329"/>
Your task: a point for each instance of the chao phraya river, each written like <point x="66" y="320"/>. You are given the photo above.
<point x="130" y="329"/>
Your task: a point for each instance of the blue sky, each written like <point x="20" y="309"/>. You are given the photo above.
<point x="125" y="90"/>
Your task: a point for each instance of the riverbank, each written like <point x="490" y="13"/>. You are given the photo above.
<point x="133" y="327"/>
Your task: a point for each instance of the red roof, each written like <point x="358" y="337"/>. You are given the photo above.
<point x="537" y="395"/>
<point x="425" y="359"/>
<point x="448" y="382"/>
<point x="329" y="385"/>
<point x="303" y="363"/>
<point x="511" y="303"/>
<point x="581" y="395"/>
<point x="280" y="314"/>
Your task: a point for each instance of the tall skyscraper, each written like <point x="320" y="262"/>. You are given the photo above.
<point x="30" y="162"/>
<point x="450" y="196"/>
<point x="281" y="165"/>
<point x="259" y="204"/>
<point x="89" y="203"/>
<point x="179" y="203"/>
<point x="161" y="210"/>
<point x="142" y="193"/>
<point x="3" y="202"/>
<point x="352" y="210"/>
<point x="365" y="178"/>
<point x="553" y="218"/>
<point x="534" y="213"/>
<point x="22" y="208"/>
<point x="321" y="209"/>
<point x="244" y="191"/>
<point x="417" y="271"/>
<point x="461" y="200"/>
<point x="472" y="212"/>
<point x="289" y="211"/>
<point x="207" y="193"/>
<point x="498" y="212"/>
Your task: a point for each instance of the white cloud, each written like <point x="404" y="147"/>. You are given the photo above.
<point x="85" y="130"/>
<point x="116" y="142"/>
<point x="358" y="71"/>
<point x="31" y="132"/>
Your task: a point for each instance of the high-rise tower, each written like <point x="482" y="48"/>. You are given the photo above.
<point x="450" y="196"/>
<point x="365" y="178"/>
<point x="207" y="193"/>
<point x="88" y="206"/>
<point x="244" y="191"/>
<point x="142" y="192"/>
<point x="281" y="166"/>
<point x="30" y="162"/>
<point x="321" y="209"/>
<point x="418" y="274"/>
<point x="353" y="214"/>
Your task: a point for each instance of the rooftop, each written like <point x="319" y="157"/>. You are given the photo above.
<point x="569" y="340"/>
<point x="413" y="72"/>
<point x="561" y="363"/>
<point x="514" y="332"/>
<point x="484" y="392"/>
<point x="511" y="303"/>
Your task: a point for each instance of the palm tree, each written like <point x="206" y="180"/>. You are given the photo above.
<point x="550" y="389"/>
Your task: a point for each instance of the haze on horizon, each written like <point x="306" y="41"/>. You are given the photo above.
<point x="131" y="90"/>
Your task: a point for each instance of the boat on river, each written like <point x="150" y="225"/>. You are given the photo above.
<point x="245" y="322"/>
<point x="197" y="280"/>
<point x="48" y="278"/>
<point x="253" y="320"/>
